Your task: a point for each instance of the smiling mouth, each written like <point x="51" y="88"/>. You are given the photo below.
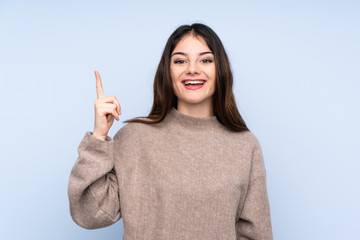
<point x="189" y="82"/>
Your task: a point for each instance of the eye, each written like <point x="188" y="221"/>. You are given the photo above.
<point x="207" y="60"/>
<point x="179" y="61"/>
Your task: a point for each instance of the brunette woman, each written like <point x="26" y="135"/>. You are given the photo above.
<point x="191" y="169"/>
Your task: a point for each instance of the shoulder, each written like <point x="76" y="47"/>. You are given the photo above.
<point x="246" y="137"/>
<point x="255" y="143"/>
<point x="250" y="142"/>
<point x="133" y="130"/>
<point x="257" y="157"/>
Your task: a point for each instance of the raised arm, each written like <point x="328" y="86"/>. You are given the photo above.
<point x="93" y="186"/>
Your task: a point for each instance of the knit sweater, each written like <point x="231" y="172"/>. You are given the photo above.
<point x="183" y="178"/>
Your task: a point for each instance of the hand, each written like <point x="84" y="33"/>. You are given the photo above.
<point x="106" y="109"/>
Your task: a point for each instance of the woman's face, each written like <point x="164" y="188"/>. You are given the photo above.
<point x="192" y="70"/>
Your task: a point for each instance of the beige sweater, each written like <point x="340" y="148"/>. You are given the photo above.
<point x="184" y="178"/>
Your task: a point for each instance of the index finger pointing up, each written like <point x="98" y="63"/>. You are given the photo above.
<point x="99" y="89"/>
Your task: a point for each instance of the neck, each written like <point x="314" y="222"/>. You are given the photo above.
<point x="195" y="110"/>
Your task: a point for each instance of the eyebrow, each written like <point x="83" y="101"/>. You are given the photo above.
<point x="182" y="53"/>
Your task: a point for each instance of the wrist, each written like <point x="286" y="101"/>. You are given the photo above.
<point x="99" y="136"/>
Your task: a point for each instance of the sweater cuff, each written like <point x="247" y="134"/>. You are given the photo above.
<point x="90" y="136"/>
<point x="94" y="150"/>
<point x="95" y="154"/>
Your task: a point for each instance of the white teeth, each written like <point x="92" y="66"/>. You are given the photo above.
<point x="194" y="82"/>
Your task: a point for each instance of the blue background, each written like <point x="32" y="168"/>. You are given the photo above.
<point x="296" y="67"/>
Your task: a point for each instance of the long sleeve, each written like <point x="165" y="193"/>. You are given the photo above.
<point x="93" y="186"/>
<point x="254" y="221"/>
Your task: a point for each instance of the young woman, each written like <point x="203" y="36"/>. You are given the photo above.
<point x="191" y="169"/>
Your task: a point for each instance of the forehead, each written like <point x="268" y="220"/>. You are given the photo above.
<point x="192" y="43"/>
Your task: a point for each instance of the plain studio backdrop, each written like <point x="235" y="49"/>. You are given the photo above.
<point x="296" y="71"/>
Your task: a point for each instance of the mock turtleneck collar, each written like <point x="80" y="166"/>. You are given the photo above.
<point x="190" y="121"/>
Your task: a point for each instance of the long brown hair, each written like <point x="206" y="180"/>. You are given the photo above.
<point x="224" y="105"/>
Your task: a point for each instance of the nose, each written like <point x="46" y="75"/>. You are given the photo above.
<point x="193" y="68"/>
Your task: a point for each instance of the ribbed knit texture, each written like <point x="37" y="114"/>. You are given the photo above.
<point x="184" y="178"/>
